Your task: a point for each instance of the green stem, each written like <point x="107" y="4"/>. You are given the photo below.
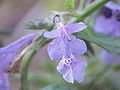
<point x="24" y="70"/>
<point x="82" y="4"/>
<point x="90" y="9"/>
<point x="26" y="62"/>
<point x="98" y="77"/>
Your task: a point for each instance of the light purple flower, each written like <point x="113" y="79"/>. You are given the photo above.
<point x="66" y="47"/>
<point x="109" y="20"/>
<point x="72" y="68"/>
<point x="109" y="23"/>
<point x="56" y="49"/>
<point x="8" y="54"/>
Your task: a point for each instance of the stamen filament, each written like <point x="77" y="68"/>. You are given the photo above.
<point x="61" y="25"/>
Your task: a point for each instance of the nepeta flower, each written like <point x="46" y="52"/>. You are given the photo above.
<point x="66" y="47"/>
<point x="9" y="53"/>
<point x="72" y="68"/>
<point x="109" y="23"/>
<point x="109" y="20"/>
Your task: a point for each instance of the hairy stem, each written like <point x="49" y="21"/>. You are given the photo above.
<point x="24" y="70"/>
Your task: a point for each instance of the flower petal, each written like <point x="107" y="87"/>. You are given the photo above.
<point x="52" y="34"/>
<point x="19" y="44"/>
<point x="5" y="60"/>
<point x="104" y="26"/>
<point x="79" y="70"/>
<point x="66" y="71"/>
<point x="8" y="53"/>
<point x="68" y="76"/>
<point x="77" y="47"/>
<point x="112" y="5"/>
<point x="4" y="85"/>
<point x="61" y="67"/>
<point x="76" y="27"/>
<point x="56" y="49"/>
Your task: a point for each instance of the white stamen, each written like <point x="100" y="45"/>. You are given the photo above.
<point x="62" y="26"/>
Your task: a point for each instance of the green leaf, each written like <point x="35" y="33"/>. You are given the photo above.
<point x="109" y="43"/>
<point x="69" y="4"/>
<point x="112" y="80"/>
<point x="57" y="87"/>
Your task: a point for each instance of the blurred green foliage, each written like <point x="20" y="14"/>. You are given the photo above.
<point x="109" y="43"/>
<point x="69" y="4"/>
<point x="57" y="87"/>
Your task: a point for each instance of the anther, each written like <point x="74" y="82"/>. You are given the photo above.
<point x="107" y="12"/>
<point x="56" y="19"/>
<point x="117" y="15"/>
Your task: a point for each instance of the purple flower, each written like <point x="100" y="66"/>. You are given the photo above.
<point x="9" y="53"/>
<point x="109" y="23"/>
<point x="66" y="47"/>
<point x="57" y="48"/>
<point x="72" y="68"/>
<point x="109" y="20"/>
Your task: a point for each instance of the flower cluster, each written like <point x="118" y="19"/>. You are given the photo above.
<point x="66" y="47"/>
<point x="8" y="54"/>
<point x="109" y="23"/>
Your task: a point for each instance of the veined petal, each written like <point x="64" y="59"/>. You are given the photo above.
<point x="52" y="34"/>
<point x="61" y="67"/>
<point x="77" y="47"/>
<point x="66" y="71"/>
<point x="68" y="76"/>
<point x="79" y="70"/>
<point x="76" y="27"/>
<point x="56" y="49"/>
<point x="4" y="85"/>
